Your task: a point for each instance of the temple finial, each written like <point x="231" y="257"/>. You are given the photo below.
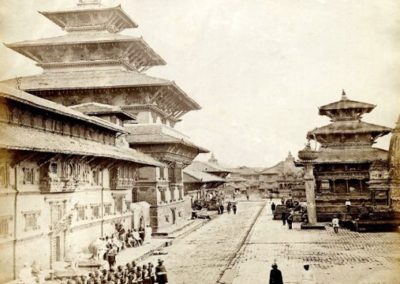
<point x="344" y="96"/>
<point x="89" y="2"/>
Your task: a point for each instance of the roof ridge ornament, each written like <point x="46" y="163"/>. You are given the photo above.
<point x="344" y="96"/>
<point x="89" y="2"/>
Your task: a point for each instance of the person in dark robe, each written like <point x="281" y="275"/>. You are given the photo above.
<point x="284" y="216"/>
<point x="273" y="206"/>
<point x="275" y="276"/>
<point x="290" y="220"/>
<point x="229" y="207"/>
<point x="161" y="273"/>
<point x="221" y="208"/>
<point x="234" y="207"/>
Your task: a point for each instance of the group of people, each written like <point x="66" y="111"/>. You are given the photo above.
<point x="230" y="207"/>
<point x="131" y="273"/>
<point x="307" y="276"/>
<point x="130" y="238"/>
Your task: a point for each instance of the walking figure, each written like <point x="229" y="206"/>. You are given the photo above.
<point x="290" y="220"/>
<point x="273" y="206"/>
<point x="283" y="218"/>
<point x="275" y="276"/>
<point x="234" y="209"/>
<point x="335" y="224"/>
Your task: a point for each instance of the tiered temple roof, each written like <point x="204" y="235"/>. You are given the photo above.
<point x="348" y="139"/>
<point x="92" y="57"/>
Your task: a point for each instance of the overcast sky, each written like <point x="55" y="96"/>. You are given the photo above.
<point x="258" y="68"/>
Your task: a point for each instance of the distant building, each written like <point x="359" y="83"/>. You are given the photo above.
<point x="203" y="180"/>
<point x="348" y="168"/>
<point x="283" y="180"/>
<point x="251" y="178"/>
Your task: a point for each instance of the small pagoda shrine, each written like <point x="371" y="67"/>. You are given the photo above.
<point x="94" y="65"/>
<point x="347" y="169"/>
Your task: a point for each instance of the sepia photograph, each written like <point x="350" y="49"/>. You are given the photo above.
<point x="200" y="142"/>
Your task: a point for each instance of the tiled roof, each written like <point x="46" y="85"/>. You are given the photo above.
<point x="77" y="37"/>
<point x="14" y="137"/>
<point x="346" y="104"/>
<point x="96" y="79"/>
<point x="351" y="155"/>
<point x="94" y="108"/>
<point x="127" y="21"/>
<point x="39" y="103"/>
<point x="277" y="169"/>
<point x="141" y="134"/>
<point x="353" y="126"/>
<point x="207" y="167"/>
<point x="202" y="176"/>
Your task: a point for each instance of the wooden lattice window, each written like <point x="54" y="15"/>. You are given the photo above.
<point x="31" y="221"/>
<point x="119" y="204"/>
<point x="81" y="213"/>
<point x="107" y="209"/>
<point x="95" y="211"/>
<point x="29" y="175"/>
<point x="4" y="175"/>
<point x="4" y="226"/>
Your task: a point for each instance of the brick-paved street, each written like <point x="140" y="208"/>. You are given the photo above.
<point x="217" y="248"/>
<point x="201" y="256"/>
<point x="348" y="257"/>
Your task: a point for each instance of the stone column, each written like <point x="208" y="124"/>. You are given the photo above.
<point x="310" y="193"/>
<point x="307" y="157"/>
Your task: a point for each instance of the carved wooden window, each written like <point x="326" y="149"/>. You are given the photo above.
<point x="5" y="226"/>
<point x="31" y="220"/>
<point x="57" y="211"/>
<point x="53" y="168"/>
<point x="81" y="213"/>
<point x="95" y="176"/>
<point x="119" y="204"/>
<point x="107" y="209"/>
<point x="4" y="175"/>
<point x="162" y="175"/>
<point x="95" y="211"/>
<point x="29" y="175"/>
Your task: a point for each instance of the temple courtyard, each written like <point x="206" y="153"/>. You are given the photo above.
<point x="241" y="248"/>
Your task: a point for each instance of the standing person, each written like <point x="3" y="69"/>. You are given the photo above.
<point x="161" y="273"/>
<point x="229" y="207"/>
<point x="290" y="220"/>
<point x="221" y="208"/>
<point x="142" y="233"/>
<point x="234" y="207"/>
<point x="275" y="276"/>
<point x="307" y="276"/>
<point x="273" y="206"/>
<point x="284" y="216"/>
<point x="247" y="196"/>
<point x="111" y="257"/>
<point x="335" y="224"/>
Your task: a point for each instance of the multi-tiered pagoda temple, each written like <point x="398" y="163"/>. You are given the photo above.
<point x="94" y="64"/>
<point x="348" y="168"/>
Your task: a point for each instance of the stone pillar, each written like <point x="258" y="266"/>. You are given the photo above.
<point x="307" y="156"/>
<point x="310" y="193"/>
